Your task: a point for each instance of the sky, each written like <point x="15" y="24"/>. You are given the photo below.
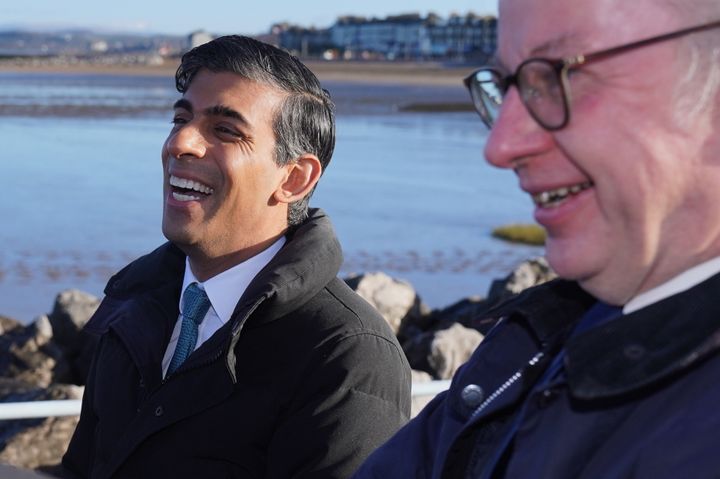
<point x="215" y="16"/>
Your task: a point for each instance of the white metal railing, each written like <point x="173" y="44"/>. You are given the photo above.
<point x="33" y="409"/>
<point x="71" y="407"/>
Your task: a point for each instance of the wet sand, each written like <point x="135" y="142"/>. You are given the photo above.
<point x="386" y="73"/>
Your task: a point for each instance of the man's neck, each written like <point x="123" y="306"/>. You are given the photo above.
<point x="205" y="266"/>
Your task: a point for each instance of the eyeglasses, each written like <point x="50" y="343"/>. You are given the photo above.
<point x="543" y="83"/>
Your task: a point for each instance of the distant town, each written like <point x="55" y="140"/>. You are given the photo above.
<point x="409" y="37"/>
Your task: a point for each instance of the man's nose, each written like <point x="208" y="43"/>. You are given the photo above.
<point x="187" y="140"/>
<point x="515" y="135"/>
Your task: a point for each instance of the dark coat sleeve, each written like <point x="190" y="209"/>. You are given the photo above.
<point x="412" y="451"/>
<point x="359" y="398"/>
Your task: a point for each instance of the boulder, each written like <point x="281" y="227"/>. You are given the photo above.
<point x="36" y="443"/>
<point x="451" y="348"/>
<point x="29" y="355"/>
<point x="396" y="300"/>
<point x="72" y="310"/>
<point x="440" y="353"/>
<point x="527" y="274"/>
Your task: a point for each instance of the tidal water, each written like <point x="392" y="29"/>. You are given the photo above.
<point x="409" y="193"/>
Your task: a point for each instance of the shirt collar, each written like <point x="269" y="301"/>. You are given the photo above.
<point x="225" y="289"/>
<point x="678" y="284"/>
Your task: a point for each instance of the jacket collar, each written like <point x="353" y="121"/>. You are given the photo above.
<point x="549" y="311"/>
<point x="648" y="346"/>
<point x="310" y="259"/>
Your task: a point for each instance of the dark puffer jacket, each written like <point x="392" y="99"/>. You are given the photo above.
<point x="305" y="380"/>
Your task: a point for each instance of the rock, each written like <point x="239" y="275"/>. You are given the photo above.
<point x="41" y="442"/>
<point x="72" y="310"/>
<point x="43" y="328"/>
<point x="8" y="325"/>
<point x="396" y="300"/>
<point x="29" y="356"/>
<point x="529" y="273"/>
<point x="451" y="348"/>
<point x="440" y="353"/>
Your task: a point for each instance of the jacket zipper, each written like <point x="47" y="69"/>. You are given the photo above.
<point x="509" y="382"/>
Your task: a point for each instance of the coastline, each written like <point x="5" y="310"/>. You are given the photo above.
<point x="116" y="117"/>
<point x="371" y="72"/>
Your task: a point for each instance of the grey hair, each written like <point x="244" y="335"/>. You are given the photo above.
<point x="699" y="88"/>
<point x="305" y="121"/>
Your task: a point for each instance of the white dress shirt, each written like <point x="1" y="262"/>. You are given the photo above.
<point x="224" y="291"/>
<point x="678" y="284"/>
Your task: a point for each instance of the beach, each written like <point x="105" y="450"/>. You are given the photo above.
<point x="368" y="72"/>
<point x="409" y="193"/>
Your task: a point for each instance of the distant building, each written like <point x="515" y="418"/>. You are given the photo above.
<point x="464" y="37"/>
<point x="401" y="36"/>
<point x="99" y="46"/>
<point x="410" y="37"/>
<point x="303" y="41"/>
<point x="199" y="37"/>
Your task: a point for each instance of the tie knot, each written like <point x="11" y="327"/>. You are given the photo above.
<point x="195" y="303"/>
<point x="599" y="313"/>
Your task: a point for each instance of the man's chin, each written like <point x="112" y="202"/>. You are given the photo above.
<point x="181" y="238"/>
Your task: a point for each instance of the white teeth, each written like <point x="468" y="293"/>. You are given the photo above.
<point x="190" y="185"/>
<point x="181" y="197"/>
<point x="552" y="198"/>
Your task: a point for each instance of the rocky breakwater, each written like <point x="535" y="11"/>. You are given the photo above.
<point x="49" y="358"/>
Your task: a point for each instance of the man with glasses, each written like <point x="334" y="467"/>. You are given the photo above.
<point x="609" y="114"/>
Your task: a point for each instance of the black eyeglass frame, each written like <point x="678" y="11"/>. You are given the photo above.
<point x="561" y="67"/>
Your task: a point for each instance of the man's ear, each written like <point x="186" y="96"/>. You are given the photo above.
<point x="301" y="176"/>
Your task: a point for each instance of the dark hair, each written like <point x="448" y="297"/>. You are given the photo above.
<point x="305" y="121"/>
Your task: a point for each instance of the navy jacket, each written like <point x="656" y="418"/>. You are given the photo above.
<point x="285" y="389"/>
<point x="637" y="399"/>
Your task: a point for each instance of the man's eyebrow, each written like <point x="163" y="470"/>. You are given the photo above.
<point x="556" y="44"/>
<point x="226" y="111"/>
<point x="215" y="110"/>
<point x="183" y="104"/>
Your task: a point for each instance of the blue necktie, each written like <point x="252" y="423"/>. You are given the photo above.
<point x="195" y="305"/>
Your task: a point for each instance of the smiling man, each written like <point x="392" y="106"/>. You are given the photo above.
<point x="234" y="350"/>
<point x="608" y="113"/>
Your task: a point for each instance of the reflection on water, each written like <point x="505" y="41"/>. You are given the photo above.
<point x="408" y="193"/>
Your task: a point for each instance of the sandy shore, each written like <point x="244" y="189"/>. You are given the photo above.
<point x="408" y="73"/>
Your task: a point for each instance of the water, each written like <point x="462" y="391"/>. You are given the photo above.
<point x="409" y="194"/>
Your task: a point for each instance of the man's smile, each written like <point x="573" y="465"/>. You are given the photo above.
<point x="188" y="190"/>
<point x="554" y="198"/>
